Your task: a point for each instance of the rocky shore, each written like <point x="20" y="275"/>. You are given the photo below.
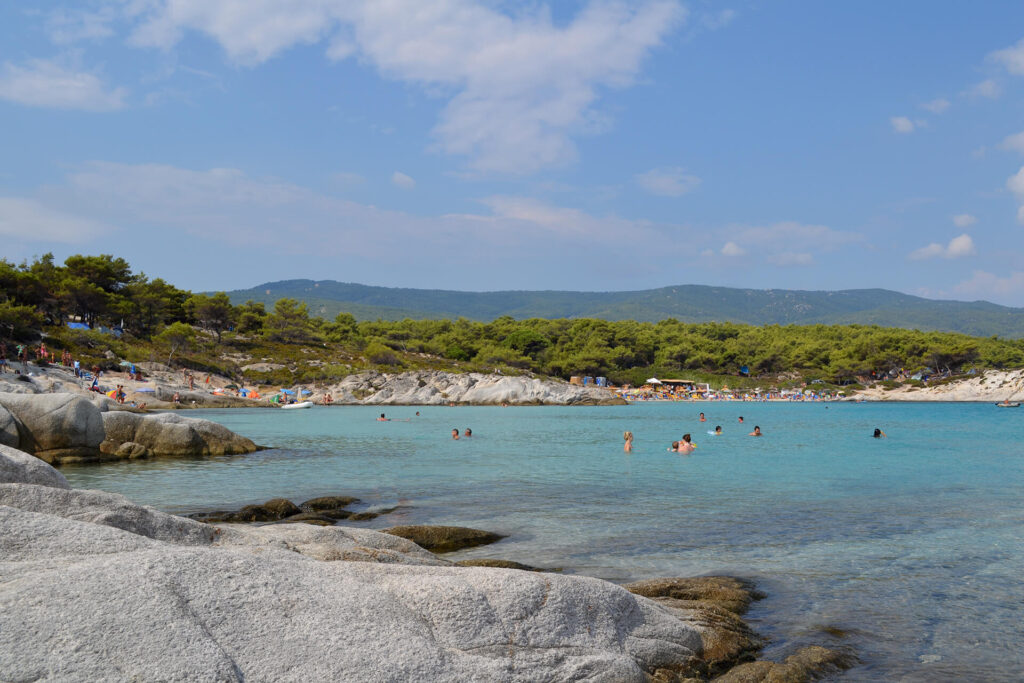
<point x="98" y="588"/>
<point x="424" y="387"/>
<point x="990" y="386"/>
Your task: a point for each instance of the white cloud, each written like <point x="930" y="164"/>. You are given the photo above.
<point x="958" y="247"/>
<point x="519" y="87"/>
<point x="990" y="286"/>
<point x="399" y="179"/>
<point x="27" y="219"/>
<point x="964" y="220"/>
<point x="732" y="249"/>
<point x="988" y="88"/>
<point x="66" y="26"/>
<point x="42" y="83"/>
<point x="901" y="124"/>
<point x="1014" y="142"/>
<point x="1016" y="185"/>
<point x="937" y="106"/>
<point x="1012" y="58"/>
<point x="668" y="182"/>
<point x="789" y="258"/>
<point x="716" y="20"/>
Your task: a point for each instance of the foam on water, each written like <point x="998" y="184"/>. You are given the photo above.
<point x="913" y="545"/>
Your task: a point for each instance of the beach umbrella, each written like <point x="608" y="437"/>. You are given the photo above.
<point x="231" y="386"/>
<point x="653" y="380"/>
<point x="287" y="391"/>
<point x="305" y="392"/>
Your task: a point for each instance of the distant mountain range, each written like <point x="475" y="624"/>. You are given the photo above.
<point x="689" y="303"/>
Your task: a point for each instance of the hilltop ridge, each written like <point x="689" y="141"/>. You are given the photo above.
<point x="687" y="303"/>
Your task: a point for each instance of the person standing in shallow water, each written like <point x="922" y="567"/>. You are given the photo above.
<point x="628" y="446"/>
<point x="756" y="432"/>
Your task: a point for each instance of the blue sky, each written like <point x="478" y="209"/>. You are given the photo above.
<point x="488" y="144"/>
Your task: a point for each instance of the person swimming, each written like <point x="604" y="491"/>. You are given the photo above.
<point x="383" y="418"/>
<point x="455" y="434"/>
<point x="628" y="438"/>
<point x="468" y="432"/>
<point x="718" y="430"/>
<point x="756" y="432"/>
<point x="702" y="418"/>
<point x="878" y="433"/>
<point x="686" y="446"/>
<point x="741" y="419"/>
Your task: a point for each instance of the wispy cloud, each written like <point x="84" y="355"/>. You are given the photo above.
<point x="983" y="284"/>
<point x="964" y="220"/>
<point x="668" y="182"/>
<point x="519" y="87"/>
<point x="399" y="179"/>
<point x="901" y="124"/>
<point x="1015" y="184"/>
<point x="958" y="247"/>
<point x="936" y="106"/>
<point x="1011" y="58"/>
<point x="27" y="219"/>
<point x="988" y="89"/>
<point x="787" y="243"/>
<point x="43" y="83"/>
<point x="1014" y="142"/>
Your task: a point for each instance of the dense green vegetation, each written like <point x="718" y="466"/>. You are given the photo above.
<point x="162" y="322"/>
<point x="687" y="303"/>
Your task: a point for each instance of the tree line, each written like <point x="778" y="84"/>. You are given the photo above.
<point x="103" y="291"/>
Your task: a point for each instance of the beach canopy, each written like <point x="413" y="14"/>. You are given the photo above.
<point x="145" y="390"/>
<point x="305" y="392"/>
<point x="653" y="380"/>
<point x="287" y="391"/>
<point x="231" y="386"/>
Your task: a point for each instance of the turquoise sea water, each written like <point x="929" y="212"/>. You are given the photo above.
<point x="912" y="545"/>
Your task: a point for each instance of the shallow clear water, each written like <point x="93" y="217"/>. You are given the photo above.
<point x="912" y="545"/>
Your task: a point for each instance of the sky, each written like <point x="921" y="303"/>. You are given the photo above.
<point x="488" y="144"/>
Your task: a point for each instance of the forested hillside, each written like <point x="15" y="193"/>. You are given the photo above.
<point x="154" y="320"/>
<point x="687" y="303"/>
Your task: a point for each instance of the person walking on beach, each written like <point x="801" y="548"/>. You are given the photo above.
<point x="455" y="434"/>
<point x="628" y="447"/>
<point x="756" y="432"/>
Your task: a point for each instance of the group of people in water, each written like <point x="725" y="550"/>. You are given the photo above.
<point x="687" y="446"/>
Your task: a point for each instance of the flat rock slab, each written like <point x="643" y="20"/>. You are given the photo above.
<point x="444" y="539"/>
<point x="808" y="664"/>
<point x="727" y="592"/>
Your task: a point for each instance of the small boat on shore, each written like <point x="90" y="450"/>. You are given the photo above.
<point x="296" y="406"/>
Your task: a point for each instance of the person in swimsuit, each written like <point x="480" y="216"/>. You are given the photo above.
<point x="383" y="418"/>
<point x="718" y="430"/>
<point x="468" y="432"/>
<point x="628" y="446"/>
<point x="702" y="418"/>
<point x="756" y="432"/>
<point x="455" y="434"/>
<point x="878" y="433"/>
<point x="686" y="446"/>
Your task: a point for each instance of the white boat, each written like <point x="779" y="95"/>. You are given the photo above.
<point x="1007" y="404"/>
<point x="296" y="406"/>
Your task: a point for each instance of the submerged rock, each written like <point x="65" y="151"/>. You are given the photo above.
<point x="500" y="564"/>
<point x="808" y="664"/>
<point x="444" y="539"/>
<point x="727" y="592"/>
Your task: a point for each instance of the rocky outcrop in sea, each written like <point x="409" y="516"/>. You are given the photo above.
<point x="61" y="428"/>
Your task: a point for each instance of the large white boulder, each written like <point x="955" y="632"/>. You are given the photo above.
<point x="56" y="427"/>
<point x="169" y="434"/>
<point x="18" y="467"/>
<point x="98" y="589"/>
